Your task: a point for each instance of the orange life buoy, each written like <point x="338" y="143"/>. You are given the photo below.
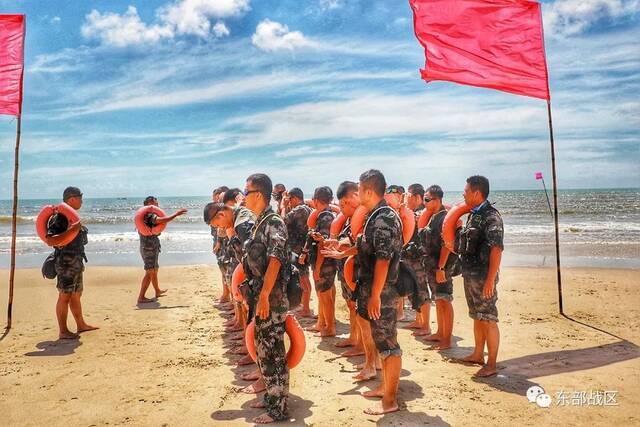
<point x="424" y="218"/>
<point x="296" y="336"/>
<point x="46" y="213"/>
<point x="313" y="219"/>
<point x="236" y="280"/>
<point x="349" y="267"/>
<point x="357" y="220"/>
<point x="408" y="223"/>
<point x="143" y="228"/>
<point x="451" y="222"/>
<point x="336" y="225"/>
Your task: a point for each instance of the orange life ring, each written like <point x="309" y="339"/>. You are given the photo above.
<point x="143" y="228"/>
<point x="424" y="218"/>
<point x="46" y="213"/>
<point x="313" y="219"/>
<point x="451" y="223"/>
<point x="236" y="280"/>
<point x="336" y="225"/>
<point x="349" y="267"/>
<point x="296" y="336"/>
<point x="357" y="221"/>
<point x="408" y="223"/>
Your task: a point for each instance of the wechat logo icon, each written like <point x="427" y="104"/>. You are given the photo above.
<point x="536" y="394"/>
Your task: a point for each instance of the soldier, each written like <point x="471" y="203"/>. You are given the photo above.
<point x="266" y="266"/>
<point x="219" y="244"/>
<point x="150" y="250"/>
<point x="377" y="300"/>
<point x="412" y="254"/>
<point x="324" y="269"/>
<point x="69" y="265"/>
<point x="295" y="214"/>
<point x="439" y="264"/>
<point x="481" y="247"/>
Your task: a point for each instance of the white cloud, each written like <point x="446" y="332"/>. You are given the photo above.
<point x="55" y="20"/>
<point x="123" y="30"/>
<point x="331" y="4"/>
<point x="572" y="17"/>
<point x="185" y="17"/>
<point x="192" y="16"/>
<point x="272" y="36"/>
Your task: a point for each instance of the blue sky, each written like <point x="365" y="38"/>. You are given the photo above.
<point x="176" y="97"/>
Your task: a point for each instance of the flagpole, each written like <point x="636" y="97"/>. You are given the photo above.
<point x="14" y="217"/>
<point x="555" y="207"/>
<point x="547" y="194"/>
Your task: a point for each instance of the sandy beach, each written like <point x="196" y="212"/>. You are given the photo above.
<point x="169" y="363"/>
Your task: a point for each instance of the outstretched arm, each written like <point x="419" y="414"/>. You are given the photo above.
<point x="165" y="219"/>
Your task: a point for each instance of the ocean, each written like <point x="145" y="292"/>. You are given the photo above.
<point x="598" y="228"/>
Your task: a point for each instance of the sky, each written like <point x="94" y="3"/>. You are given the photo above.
<point x="177" y="97"/>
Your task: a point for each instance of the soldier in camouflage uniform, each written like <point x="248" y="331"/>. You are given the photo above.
<point x="150" y="250"/>
<point x="219" y="244"/>
<point x="439" y="264"/>
<point x="480" y="248"/>
<point x="377" y="297"/>
<point x="324" y="269"/>
<point x="295" y="217"/>
<point x="69" y="265"/>
<point x="266" y="265"/>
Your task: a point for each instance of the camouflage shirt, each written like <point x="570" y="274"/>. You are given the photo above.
<point x="268" y="239"/>
<point x="381" y="239"/>
<point x="483" y="230"/>
<point x="323" y="226"/>
<point x="344" y="233"/>
<point x="431" y="240"/>
<point x="297" y="228"/>
<point x="243" y="222"/>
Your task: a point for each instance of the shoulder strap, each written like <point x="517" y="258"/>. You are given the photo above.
<point x="364" y="230"/>
<point x="255" y="230"/>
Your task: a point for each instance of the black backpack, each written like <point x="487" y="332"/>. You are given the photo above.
<point x="49" y="266"/>
<point x="407" y="283"/>
<point x="294" y="290"/>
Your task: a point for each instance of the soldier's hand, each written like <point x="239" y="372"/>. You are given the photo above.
<point x="332" y="253"/>
<point x="302" y="258"/>
<point x="330" y="244"/>
<point x="75" y="226"/>
<point x="440" y="276"/>
<point x="373" y="307"/>
<point x="262" y="308"/>
<point x="487" y="291"/>
<point x="181" y="212"/>
<point x="317" y="236"/>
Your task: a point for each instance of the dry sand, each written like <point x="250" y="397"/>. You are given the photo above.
<point x="169" y="363"/>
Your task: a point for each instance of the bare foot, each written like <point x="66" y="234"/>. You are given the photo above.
<point x="353" y="352"/>
<point x="432" y="337"/>
<point x="229" y="322"/>
<point x="258" y="403"/>
<point x="68" y="335"/>
<point x="161" y="293"/>
<point x="144" y="300"/>
<point x="361" y="366"/>
<point x="328" y="333"/>
<point x="381" y="409"/>
<point x="263" y="419"/>
<point x="413" y="325"/>
<point x="422" y="332"/>
<point x="365" y="375"/>
<point x="347" y="342"/>
<point x="307" y="314"/>
<point x="251" y="376"/>
<point x="314" y="328"/>
<point x="486" y="371"/>
<point x="254" y="388"/>
<point x="246" y="360"/>
<point x="86" y="328"/>
<point x="235" y="328"/>
<point x="441" y="345"/>
<point x="469" y="360"/>
<point x="240" y="350"/>
<point x="378" y="392"/>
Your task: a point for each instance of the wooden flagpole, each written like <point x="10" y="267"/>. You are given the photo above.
<point x="14" y="218"/>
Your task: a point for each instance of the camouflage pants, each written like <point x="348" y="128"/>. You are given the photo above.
<point x="272" y="361"/>
<point x="443" y="291"/>
<point x="384" y="330"/>
<point x="479" y="307"/>
<point x="425" y="291"/>
<point x="69" y="268"/>
<point x="327" y="276"/>
<point x="150" y="251"/>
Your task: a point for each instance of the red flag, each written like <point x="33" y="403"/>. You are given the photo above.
<point x="497" y="44"/>
<point x="11" y="63"/>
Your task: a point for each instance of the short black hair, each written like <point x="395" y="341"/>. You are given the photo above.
<point x="220" y="189"/>
<point x="416" y="189"/>
<point x="374" y="179"/>
<point x="148" y="200"/>
<point x="394" y="189"/>
<point x="480" y="183"/>
<point x="262" y="183"/>
<point x="436" y="191"/>
<point x="212" y="209"/>
<point x="230" y="195"/>
<point x="280" y="187"/>
<point x="324" y="194"/>
<point x="297" y="193"/>
<point x="70" y="192"/>
<point x="345" y="188"/>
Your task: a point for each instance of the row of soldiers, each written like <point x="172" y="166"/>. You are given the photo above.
<point x="267" y="230"/>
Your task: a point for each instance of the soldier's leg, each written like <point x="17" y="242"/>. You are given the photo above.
<point x="272" y="361"/>
<point x="62" y="310"/>
<point x="370" y="353"/>
<point x="471" y="294"/>
<point x="76" y="309"/>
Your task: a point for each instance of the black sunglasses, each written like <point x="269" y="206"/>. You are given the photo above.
<point x="247" y="192"/>
<point x="427" y="199"/>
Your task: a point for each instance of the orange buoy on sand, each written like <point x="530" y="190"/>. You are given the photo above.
<point x="43" y="219"/>
<point x="451" y="223"/>
<point x="296" y="336"/>
<point x="143" y="228"/>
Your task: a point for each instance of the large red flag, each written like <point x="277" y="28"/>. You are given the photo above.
<point x="497" y="44"/>
<point x="11" y="63"/>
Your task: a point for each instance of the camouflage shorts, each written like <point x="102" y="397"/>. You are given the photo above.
<point x="425" y="293"/>
<point x="150" y="251"/>
<point x="228" y="271"/>
<point x="442" y="291"/>
<point x="327" y="277"/>
<point x="69" y="268"/>
<point x="272" y="361"/>
<point x="480" y="308"/>
<point x="384" y="330"/>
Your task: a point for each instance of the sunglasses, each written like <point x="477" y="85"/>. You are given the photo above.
<point x="427" y="199"/>
<point x="247" y="192"/>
